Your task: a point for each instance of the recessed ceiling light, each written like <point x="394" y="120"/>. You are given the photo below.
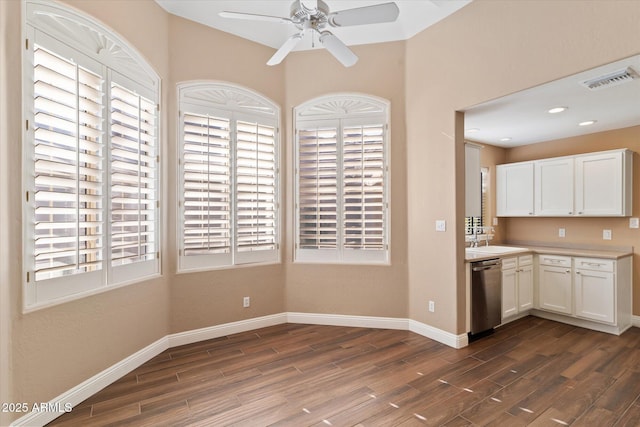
<point x="556" y="110"/>
<point x="587" y="123"/>
<point x="472" y="130"/>
<point x="505" y="139"/>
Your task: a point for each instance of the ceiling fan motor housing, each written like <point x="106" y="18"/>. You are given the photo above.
<point x="317" y="18"/>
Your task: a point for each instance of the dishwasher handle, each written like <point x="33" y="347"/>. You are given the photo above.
<point x="486" y="267"/>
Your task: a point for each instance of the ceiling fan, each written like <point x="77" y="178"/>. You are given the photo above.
<point x="314" y="15"/>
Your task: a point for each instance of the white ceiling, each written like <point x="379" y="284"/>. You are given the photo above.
<point x="523" y="116"/>
<point x="415" y="16"/>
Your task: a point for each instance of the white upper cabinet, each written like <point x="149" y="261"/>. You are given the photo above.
<point x="554" y="187"/>
<point x="514" y="188"/>
<point x="603" y="184"/>
<point x="596" y="184"/>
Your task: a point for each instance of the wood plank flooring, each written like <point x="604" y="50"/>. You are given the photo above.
<point x="530" y="372"/>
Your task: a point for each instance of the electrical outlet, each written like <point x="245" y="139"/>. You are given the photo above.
<point x="495" y="221"/>
<point x="246" y="302"/>
<point x="634" y="222"/>
<point x="606" y="234"/>
<point x="561" y="232"/>
<point x="432" y="306"/>
<point x="441" y="225"/>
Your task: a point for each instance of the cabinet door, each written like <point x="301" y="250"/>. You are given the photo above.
<point x="599" y="184"/>
<point x="514" y="189"/>
<point x="509" y="293"/>
<point x="595" y="295"/>
<point x="525" y="288"/>
<point x="554" y="187"/>
<point x="554" y="289"/>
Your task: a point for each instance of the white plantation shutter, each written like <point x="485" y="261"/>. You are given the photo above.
<point x="255" y="189"/>
<point x="363" y="187"/>
<point x="341" y="194"/>
<point x="133" y="177"/>
<point x="206" y="160"/>
<point x="317" y="187"/>
<point x="90" y="155"/>
<point x="228" y="177"/>
<point x="68" y="154"/>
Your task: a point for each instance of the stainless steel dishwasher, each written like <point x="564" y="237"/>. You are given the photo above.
<point x="486" y="297"/>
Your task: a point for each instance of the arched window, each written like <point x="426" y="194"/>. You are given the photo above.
<point x="229" y="177"/>
<point x="341" y="180"/>
<point x="90" y="158"/>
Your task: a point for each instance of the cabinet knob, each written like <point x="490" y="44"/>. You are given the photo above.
<point x="569" y="271"/>
<point x="577" y="272"/>
<point x="570" y="213"/>
<point x="530" y="213"/>
<point x="579" y="213"/>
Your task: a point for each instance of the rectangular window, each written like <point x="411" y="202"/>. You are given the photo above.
<point x="229" y="181"/>
<point x="68" y="167"/>
<point x="91" y="153"/>
<point x="133" y="177"/>
<point x="341" y="196"/>
<point x="255" y="190"/>
<point x="207" y="185"/>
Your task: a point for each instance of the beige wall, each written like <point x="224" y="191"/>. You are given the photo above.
<point x="586" y="231"/>
<point x="485" y="50"/>
<point x="347" y="289"/>
<point x="211" y="298"/>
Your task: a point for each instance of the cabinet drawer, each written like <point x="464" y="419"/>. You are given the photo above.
<point x="594" y="264"/>
<point x="555" y="260"/>
<point x="509" y="263"/>
<point x="525" y="260"/>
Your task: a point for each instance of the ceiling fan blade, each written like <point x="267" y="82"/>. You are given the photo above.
<point x="338" y="49"/>
<point x="254" y="17"/>
<point x="284" y="50"/>
<point x="376" y="14"/>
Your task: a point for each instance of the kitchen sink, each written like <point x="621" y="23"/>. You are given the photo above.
<point x="495" y="249"/>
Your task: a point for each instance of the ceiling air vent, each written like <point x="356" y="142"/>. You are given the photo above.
<point x="612" y="79"/>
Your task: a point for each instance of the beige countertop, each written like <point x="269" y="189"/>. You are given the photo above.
<point x="549" y="250"/>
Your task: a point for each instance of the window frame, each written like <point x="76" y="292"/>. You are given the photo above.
<point x="73" y="36"/>
<point x="235" y="103"/>
<point x="343" y="110"/>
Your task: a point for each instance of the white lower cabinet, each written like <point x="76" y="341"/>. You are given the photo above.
<point x="517" y="285"/>
<point x="594" y="284"/>
<point x="554" y="284"/>
<point x="589" y="292"/>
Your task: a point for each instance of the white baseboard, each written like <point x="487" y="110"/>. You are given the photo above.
<point x="452" y="340"/>
<point x="96" y="383"/>
<point x="346" y="320"/>
<point x="203" y="334"/>
<point x="93" y="385"/>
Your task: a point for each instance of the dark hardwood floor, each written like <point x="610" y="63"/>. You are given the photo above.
<point x="530" y="372"/>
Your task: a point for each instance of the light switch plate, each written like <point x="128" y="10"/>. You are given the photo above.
<point x="606" y="234"/>
<point x="561" y="232"/>
<point x="634" y="222"/>
<point x="441" y="225"/>
<point x="495" y="221"/>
